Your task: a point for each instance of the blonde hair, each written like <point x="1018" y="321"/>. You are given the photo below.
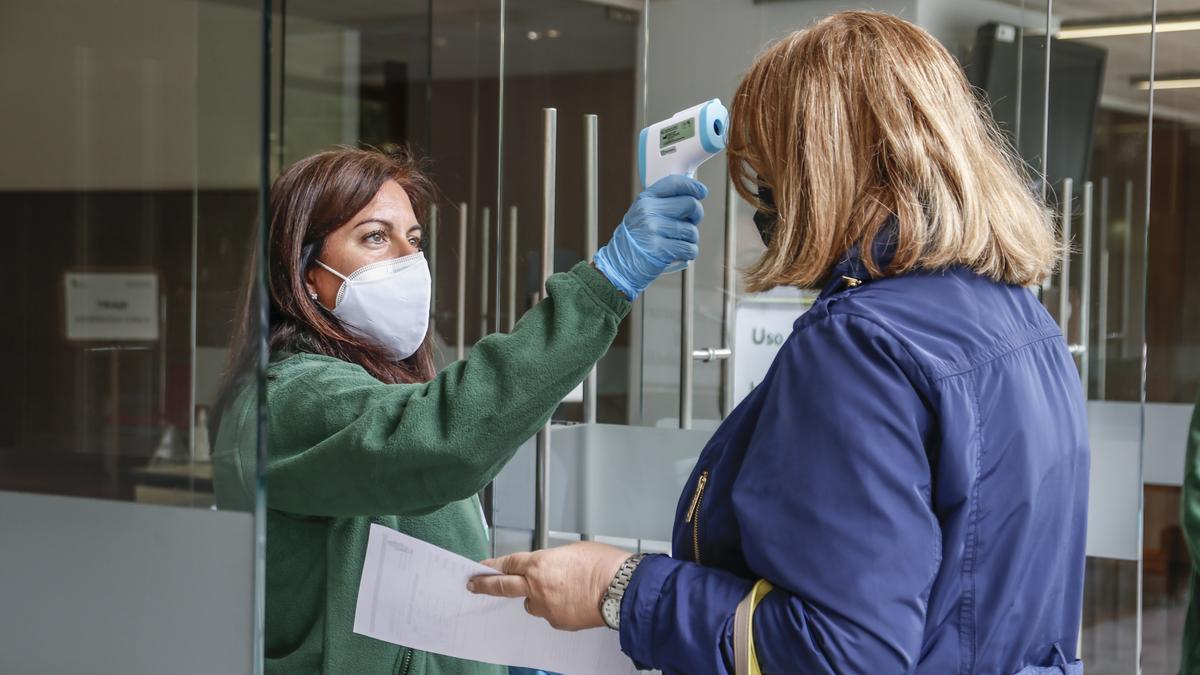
<point x="862" y="116"/>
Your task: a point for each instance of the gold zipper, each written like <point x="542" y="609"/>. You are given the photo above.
<point x="693" y="515"/>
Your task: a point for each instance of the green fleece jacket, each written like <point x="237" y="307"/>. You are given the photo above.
<point x="1191" y="532"/>
<point x="346" y="450"/>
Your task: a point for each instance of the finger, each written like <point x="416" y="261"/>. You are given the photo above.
<point x="500" y="585"/>
<point x="681" y="208"/>
<point x="676" y="185"/>
<point x="677" y="229"/>
<point x="680" y="250"/>
<point x="509" y="564"/>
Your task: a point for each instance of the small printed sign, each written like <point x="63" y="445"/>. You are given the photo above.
<point x="761" y="329"/>
<point x="113" y="306"/>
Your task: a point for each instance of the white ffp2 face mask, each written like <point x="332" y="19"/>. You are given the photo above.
<point x="387" y="303"/>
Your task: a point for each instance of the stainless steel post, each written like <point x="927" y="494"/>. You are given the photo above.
<point x="591" y="217"/>
<point x="1127" y="271"/>
<point x="1102" y="305"/>
<point x="460" y="328"/>
<point x="686" y="326"/>
<point x="431" y="246"/>
<point x="484" y="251"/>
<point x="1045" y="101"/>
<point x="549" y="170"/>
<point x="729" y="289"/>
<point x="1064" y="286"/>
<point x="512" y="267"/>
<point x="1085" y="292"/>
<point x="688" y="354"/>
<point x="541" y="514"/>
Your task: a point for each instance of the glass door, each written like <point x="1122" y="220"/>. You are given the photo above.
<point x="1097" y="131"/>
<point x="130" y="188"/>
<point x="571" y="84"/>
<point x="417" y="74"/>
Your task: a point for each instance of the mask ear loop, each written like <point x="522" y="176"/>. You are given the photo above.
<point x="307" y="259"/>
<point x="333" y="271"/>
<point x="341" y="291"/>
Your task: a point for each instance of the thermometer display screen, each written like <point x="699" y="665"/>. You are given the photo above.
<point x="680" y="131"/>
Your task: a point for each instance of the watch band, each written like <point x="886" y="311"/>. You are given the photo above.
<point x="610" y="604"/>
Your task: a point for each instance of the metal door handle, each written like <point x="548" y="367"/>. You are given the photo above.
<point x="711" y="354"/>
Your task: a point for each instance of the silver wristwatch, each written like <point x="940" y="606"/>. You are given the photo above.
<point x="610" y="605"/>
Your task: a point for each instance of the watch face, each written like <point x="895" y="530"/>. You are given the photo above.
<point x="611" y="611"/>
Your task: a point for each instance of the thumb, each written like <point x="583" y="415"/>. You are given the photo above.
<point x="500" y="585"/>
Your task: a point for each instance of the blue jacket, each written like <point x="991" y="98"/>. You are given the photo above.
<point x="911" y="475"/>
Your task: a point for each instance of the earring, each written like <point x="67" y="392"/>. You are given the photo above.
<point x="313" y="296"/>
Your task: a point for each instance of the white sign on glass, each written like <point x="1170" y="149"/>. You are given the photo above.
<point x="761" y="328"/>
<point x="116" y="306"/>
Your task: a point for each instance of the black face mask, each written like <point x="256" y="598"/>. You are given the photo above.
<point x="766" y="221"/>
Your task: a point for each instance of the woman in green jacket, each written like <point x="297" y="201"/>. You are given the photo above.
<point x="1191" y="532"/>
<point x="359" y="428"/>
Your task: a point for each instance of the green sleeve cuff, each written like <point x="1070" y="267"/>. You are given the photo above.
<point x="601" y="289"/>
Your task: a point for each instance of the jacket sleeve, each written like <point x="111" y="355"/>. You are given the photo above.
<point x="1191" y="490"/>
<point x="344" y="444"/>
<point x="833" y="508"/>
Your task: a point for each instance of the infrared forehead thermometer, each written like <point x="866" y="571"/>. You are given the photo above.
<point x="680" y="144"/>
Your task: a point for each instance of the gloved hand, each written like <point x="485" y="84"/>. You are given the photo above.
<point x="658" y="232"/>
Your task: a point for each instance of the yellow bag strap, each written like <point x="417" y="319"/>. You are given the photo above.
<point x="745" y="661"/>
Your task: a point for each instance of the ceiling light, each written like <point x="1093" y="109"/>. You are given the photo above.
<point x="1171" y="81"/>
<point x="553" y="33"/>
<point x="1133" y="25"/>
<point x="533" y="35"/>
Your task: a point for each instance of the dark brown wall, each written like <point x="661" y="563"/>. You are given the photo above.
<point x="1173" y="271"/>
<point x="1172" y="298"/>
<point x="56" y="405"/>
<point x="607" y="94"/>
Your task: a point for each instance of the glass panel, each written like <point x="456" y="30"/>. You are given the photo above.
<point x="143" y="144"/>
<point x="1095" y="131"/>
<point x="129" y="188"/>
<point x="605" y="479"/>
<point x="368" y="72"/>
<point x="1097" y="134"/>
<point x="463" y="128"/>
<point x="1172" y="336"/>
<point x="678" y="76"/>
<point x="580" y="58"/>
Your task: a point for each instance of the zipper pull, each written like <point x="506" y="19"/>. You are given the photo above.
<point x="691" y="512"/>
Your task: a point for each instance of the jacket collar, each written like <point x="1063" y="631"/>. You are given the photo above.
<point x="851" y="271"/>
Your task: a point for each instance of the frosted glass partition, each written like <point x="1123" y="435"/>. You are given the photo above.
<point x="93" y="586"/>
<point x="1115" y="431"/>
<point x="605" y="479"/>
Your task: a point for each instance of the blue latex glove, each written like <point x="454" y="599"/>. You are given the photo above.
<point x="657" y="234"/>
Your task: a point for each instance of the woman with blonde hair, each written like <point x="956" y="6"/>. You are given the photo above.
<point x="906" y="490"/>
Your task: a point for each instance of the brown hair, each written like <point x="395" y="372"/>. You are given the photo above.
<point x="863" y="116"/>
<point x="310" y="199"/>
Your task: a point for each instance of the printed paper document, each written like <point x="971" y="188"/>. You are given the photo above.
<point x="413" y="593"/>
